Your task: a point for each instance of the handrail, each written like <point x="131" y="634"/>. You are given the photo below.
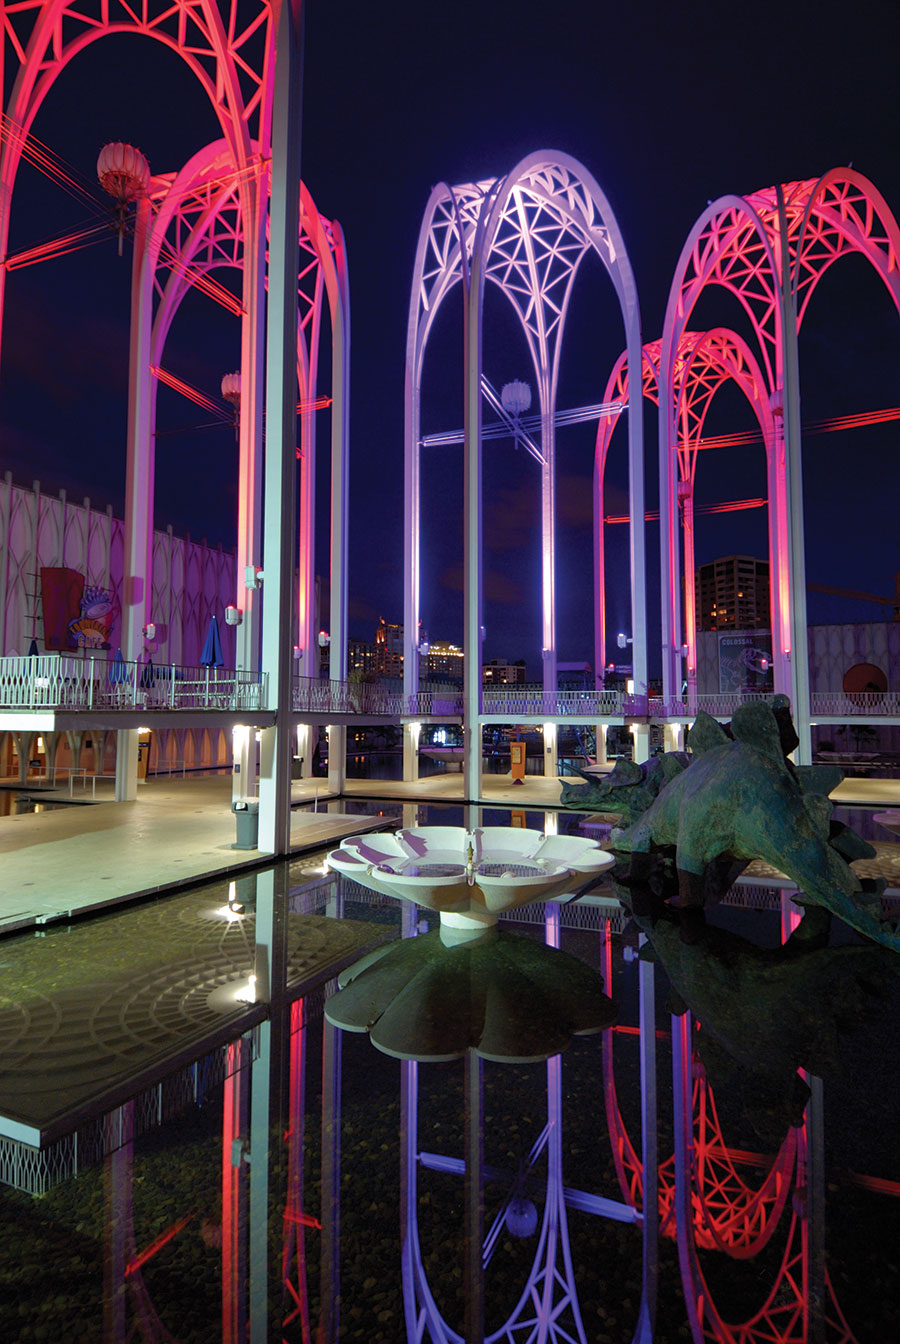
<point x="60" y="681"/>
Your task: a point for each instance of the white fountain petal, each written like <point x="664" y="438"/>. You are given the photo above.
<point x="507" y="891"/>
<point x="494" y="843"/>
<point x="343" y="861"/>
<point x="379" y="848"/>
<point x="441" y="844"/>
<point x="578" y="852"/>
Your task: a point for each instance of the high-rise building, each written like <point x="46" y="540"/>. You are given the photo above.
<point x="498" y="672"/>
<point x="388" y="649"/>
<point x="443" y="662"/>
<point x="361" y="657"/>
<point x="732" y="593"/>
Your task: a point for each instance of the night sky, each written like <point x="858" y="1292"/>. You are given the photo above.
<point x="668" y="106"/>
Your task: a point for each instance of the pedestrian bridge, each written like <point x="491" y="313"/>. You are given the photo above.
<point x="96" y="685"/>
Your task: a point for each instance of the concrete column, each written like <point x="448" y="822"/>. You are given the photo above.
<point x="551" y="751"/>
<point x="411" y="734"/>
<point x="640" y="734"/>
<point x="337" y="758"/>
<point x="126" y="765"/>
<point x="673" y="737"/>
<point x="600" y="744"/>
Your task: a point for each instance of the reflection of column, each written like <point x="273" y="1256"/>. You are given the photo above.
<point x="473" y="1271"/>
<point x="330" y="1268"/>
<point x="235" y="1125"/>
<point x="649" y="1157"/>
<point x="117" y="1195"/>
<point x="293" y="1261"/>
<point x="271" y="970"/>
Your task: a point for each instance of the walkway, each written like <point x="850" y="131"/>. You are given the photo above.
<point x="74" y="859"/>
<point x="179" y="831"/>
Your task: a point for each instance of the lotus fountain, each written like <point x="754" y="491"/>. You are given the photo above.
<point x="469" y="878"/>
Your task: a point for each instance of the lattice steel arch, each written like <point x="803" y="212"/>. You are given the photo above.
<point x="527" y="233"/>
<point x="704" y="361"/>
<point x="199" y="227"/>
<point x="769" y="250"/>
<point x="228" y="45"/>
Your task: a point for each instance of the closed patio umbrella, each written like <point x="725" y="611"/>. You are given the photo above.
<point x="118" y="671"/>
<point x="212" y="655"/>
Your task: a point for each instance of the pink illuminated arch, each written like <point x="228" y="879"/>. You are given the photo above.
<point x="768" y="250"/>
<point x="704" y="362"/>
<point x="199" y="228"/>
<point x="227" y="47"/>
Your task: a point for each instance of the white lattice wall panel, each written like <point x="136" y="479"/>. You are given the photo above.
<point x="191" y="581"/>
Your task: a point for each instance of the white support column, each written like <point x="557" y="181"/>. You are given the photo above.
<point x="340" y="462"/>
<point x="306" y="736"/>
<point x="250" y="428"/>
<point x="139" y="490"/>
<point x="472" y="533"/>
<point x="411" y="734"/>
<point x="794" y="471"/>
<point x="276" y="748"/>
<point x="640" y="736"/>
<point x="673" y="736"/>
<point x="600" y="755"/>
<point x="548" y="548"/>
<point x="126" y="765"/>
<point x="551" y="751"/>
<point x="337" y="758"/>
<point x="139" y="472"/>
<point x="668" y="526"/>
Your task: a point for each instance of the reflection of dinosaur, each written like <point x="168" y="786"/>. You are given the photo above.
<point x="741" y="800"/>
<point x="765" y="1012"/>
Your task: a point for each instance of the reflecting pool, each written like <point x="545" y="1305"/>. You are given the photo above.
<point x="693" y="1136"/>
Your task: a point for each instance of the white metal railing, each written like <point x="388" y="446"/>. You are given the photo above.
<point x="57" y="681"/>
<point x="853" y="704"/>
<point x="582" y="705"/>
<point x="435" y="702"/>
<point x="312" y="695"/>
<point x="719" y="706"/>
<point x="835" y="704"/>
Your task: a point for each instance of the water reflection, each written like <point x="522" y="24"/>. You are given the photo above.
<point x="306" y="1187"/>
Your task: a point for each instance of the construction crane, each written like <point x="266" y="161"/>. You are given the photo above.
<point x="863" y="597"/>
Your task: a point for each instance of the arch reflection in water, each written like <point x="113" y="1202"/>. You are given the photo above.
<point x="748" y="1226"/>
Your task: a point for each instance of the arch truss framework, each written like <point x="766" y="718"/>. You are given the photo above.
<point x="527" y="234"/>
<point x="704" y="362"/>
<point x="214" y="213"/>
<point x="768" y="250"/>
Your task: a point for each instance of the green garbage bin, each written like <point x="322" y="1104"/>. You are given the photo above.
<point x="246" y="815"/>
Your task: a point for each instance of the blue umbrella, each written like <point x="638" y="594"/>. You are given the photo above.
<point x="148" y="675"/>
<point x="33" y="649"/>
<point x="212" y="650"/>
<point x="118" y="671"/>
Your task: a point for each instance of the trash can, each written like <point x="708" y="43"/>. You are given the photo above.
<point x="246" y="815"/>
